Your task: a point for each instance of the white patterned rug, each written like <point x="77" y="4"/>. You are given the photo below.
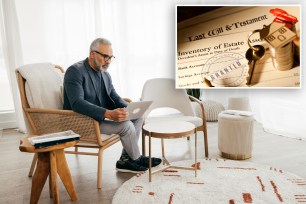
<point x="218" y="181"/>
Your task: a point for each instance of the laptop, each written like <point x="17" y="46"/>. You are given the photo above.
<point x="137" y="109"/>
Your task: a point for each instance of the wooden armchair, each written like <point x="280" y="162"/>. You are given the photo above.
<point x="50" y="120"/>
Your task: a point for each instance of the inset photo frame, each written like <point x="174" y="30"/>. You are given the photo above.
<point x="248" y="47"/>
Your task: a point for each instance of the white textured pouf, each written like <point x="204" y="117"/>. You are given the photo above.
<point x="212" y="110"/>
<point x="235" y="135"/>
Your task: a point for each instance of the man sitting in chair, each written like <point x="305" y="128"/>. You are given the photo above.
<point x="88" y="90"/>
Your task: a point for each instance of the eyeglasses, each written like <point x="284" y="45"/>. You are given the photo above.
<point x="106" y="57"/>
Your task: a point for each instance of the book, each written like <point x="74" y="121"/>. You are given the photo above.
<point x="53" y="139"/>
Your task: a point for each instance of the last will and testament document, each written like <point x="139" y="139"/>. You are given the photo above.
<point x="211" y="52"/>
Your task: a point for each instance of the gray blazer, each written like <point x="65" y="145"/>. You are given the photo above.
<point x="80" y="92"/>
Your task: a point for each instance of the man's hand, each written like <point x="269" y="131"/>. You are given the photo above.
<point x="118" y="115"/>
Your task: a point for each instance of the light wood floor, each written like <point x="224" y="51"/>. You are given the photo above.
<point x="272" y="150"/>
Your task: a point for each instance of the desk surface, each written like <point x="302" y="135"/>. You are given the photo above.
<point x="169" y="129"/>
<point x="26" y="146"/>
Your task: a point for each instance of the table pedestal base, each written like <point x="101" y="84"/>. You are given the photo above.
<point x="165" y="161"/>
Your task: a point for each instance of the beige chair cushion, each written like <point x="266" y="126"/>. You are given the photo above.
<point x="106" y="137"/>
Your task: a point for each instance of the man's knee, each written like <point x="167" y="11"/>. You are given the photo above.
<point x="127" y="127"/>
<point x="138" y="122"/>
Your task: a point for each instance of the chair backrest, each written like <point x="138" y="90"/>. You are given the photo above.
<point x="24" y="76"/>
<point x="41" y="85"/>
<point x="163" y="93"/>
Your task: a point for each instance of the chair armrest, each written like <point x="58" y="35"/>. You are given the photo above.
<point x="201" y="106"/>
<point x="128" y="100"/>
<point x="44" y="121"/>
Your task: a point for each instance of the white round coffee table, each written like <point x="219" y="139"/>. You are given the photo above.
<point x="169" y="130"/>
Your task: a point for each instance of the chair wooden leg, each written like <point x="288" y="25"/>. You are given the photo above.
<point x="64" y="173"/>
<point x="53" y="173"/>
<point x="163" y="150"/>
<point x="188" y="138"/>
<point x="205" y="142"/>
<point x="150" y="156"/>
<point x="33" y="165"/>
<point x="143" y="144"/>
<point x="50" y="186"/>
<point x="100" y="158"/>
<point x="76" y="149"/>
<point x="40" y="176"/>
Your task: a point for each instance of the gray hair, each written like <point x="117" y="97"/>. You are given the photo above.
<point x="97" y="42"/>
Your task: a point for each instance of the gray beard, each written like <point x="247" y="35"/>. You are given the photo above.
<point x="100" y="67"/>
<point x="103" y="69"/>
